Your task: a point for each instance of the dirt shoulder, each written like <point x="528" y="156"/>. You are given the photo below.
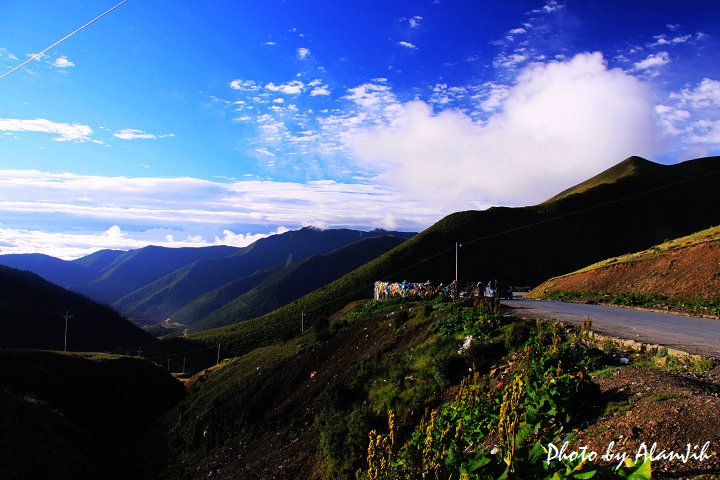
<point x="684" y="274"/>
<point x="676" y="411"/>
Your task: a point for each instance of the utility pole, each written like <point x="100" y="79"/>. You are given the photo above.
<point x="218" y="356"/>
<point x="302" y="322"/>
<point x="67" y="317"/>
<point x="183" y="365"/>
<point x="456" y="262"/>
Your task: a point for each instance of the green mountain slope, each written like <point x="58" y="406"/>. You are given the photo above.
<point x="159" y="300"/>
<point x="293" y="282"/>
<point x="526" y="245"/>
<point x="31" y="316"/>
<point x="67" y="416"/>
<point x="136" y="268"/>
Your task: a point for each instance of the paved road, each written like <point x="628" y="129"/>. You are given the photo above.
<point x="691" y="334"/>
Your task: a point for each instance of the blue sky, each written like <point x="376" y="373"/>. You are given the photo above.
<point x="195" y="123"/>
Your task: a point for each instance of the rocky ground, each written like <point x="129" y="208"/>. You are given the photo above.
<point x="646" y="404"/>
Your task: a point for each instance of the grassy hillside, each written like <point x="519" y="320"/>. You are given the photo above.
<point x="70" y="416"/>
<point x="32" y="310"/>
<point x="683" y="273"/>
<point x="526" y="245"/>
<point x="210" y="302"/>
<point x="293" y="282"/>
<point x="159" y="300"/>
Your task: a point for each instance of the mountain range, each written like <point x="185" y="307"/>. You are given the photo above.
<point x="151" y="284"/>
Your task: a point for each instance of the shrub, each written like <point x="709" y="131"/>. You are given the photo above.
<point x="517" y="334"/>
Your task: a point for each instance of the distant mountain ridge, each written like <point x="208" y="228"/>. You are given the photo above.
<point x="152" y="283"/>
<point x="160" y="299"/>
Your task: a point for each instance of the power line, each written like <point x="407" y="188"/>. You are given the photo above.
<point x="38" y="55"/>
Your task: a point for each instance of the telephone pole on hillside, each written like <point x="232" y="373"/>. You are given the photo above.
<point x="67" y="317"/>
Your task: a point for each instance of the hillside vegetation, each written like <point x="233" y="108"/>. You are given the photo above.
<point x="389" y="390"/>
<point x="32" y="316"/>
<point x="71" y="416"/>
<point x="683" y="273"/>
<point x="640" y="207"/>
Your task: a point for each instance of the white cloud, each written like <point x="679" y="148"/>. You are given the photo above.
<point x="517" y="31"/>
<point x="70" y="246"/>
<point x="549" y="7"/>
<point x="407" y="45"/>
<point x="414" y="22"/>
<point x="290" y="88"/>
<point x="243" y="240"/>
<point x="320" y="90"/>
<point x="370" y="95"/>
<point x="560" y="124"/>
<point x="302" y="53"/>
<point x="65" y="131"/>
<point x="133" y="134"/>
<point x="265" y="151"/>
<point x="246" y="85"/>
<point x="705" y="94"/>
<point x="653" y="61"/>
<point x="43" y="202"/>
<point x="62" y="62"/>
<point x="692" y="115"/>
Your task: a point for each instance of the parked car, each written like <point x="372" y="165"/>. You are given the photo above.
<point x="498" y="289"/>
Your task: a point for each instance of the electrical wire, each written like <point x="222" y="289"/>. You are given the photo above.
<point x="40" y="54"/>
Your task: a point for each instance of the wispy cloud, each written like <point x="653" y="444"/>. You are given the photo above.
<point x="202" y="207"/>
<point x="66" y="132"/>
<point x="302" y="53"/>
<point x="70" y="246"/>
<point x="407" y="45"/>
<point x="133" y="134"/>
<point x="414" y="22"/>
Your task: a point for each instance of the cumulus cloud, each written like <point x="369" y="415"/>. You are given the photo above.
<point x="653" y="61"/>
<point x="62" y="62"/>
<point x="290" y="88"/>
<point x="302" y="53"/>
<point x="246" y="85"/>
<point x="693" y="115"/>
<point x="243" y="240"/>
<point x="561" y="123"/>
<point x="65" y="132"/>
